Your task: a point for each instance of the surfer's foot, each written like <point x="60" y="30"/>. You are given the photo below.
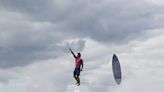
<point x="78" y="84"/>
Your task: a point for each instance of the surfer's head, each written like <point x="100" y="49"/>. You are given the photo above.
<point x="78" y="55"/>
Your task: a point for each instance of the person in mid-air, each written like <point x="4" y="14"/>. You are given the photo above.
<point x="78" y="67"/>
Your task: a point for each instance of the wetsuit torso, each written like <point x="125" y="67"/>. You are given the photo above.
<point x="78" y="62"/>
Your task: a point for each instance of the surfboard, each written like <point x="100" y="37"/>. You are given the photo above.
<point x="116" y="69"/>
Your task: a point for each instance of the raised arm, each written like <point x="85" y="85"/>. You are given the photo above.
<point x="72" y="53"/>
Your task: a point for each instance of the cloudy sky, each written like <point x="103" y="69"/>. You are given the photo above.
<point x="35" y="37"/>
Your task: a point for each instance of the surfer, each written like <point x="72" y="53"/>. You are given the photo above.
<point x="78" y="66"/>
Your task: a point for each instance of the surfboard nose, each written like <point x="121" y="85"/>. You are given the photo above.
<point x="114" y="55"/>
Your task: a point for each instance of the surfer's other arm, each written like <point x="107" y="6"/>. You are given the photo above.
<point x="82" y="65"/>
<point x="72" y="53"/>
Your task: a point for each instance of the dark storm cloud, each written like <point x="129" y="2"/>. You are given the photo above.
<point x="41" y="10"/>
<point x="106" y="21"/>
<point x="21" y="48"/>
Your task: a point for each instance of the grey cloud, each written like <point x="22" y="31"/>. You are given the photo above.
<point x="111" y="22"/>
<point x="23" y="42"/>
<point x="22" y="48"/>
<point x="40" y="10"/>
<point x="104" y="21"/>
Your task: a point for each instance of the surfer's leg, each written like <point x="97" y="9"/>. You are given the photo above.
<point x="75" y="78"/>
<point x="74" y="75"/>
<point x="78" y="80"/>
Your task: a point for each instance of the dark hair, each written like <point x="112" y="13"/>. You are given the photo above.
<point x="79" y="54"/>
